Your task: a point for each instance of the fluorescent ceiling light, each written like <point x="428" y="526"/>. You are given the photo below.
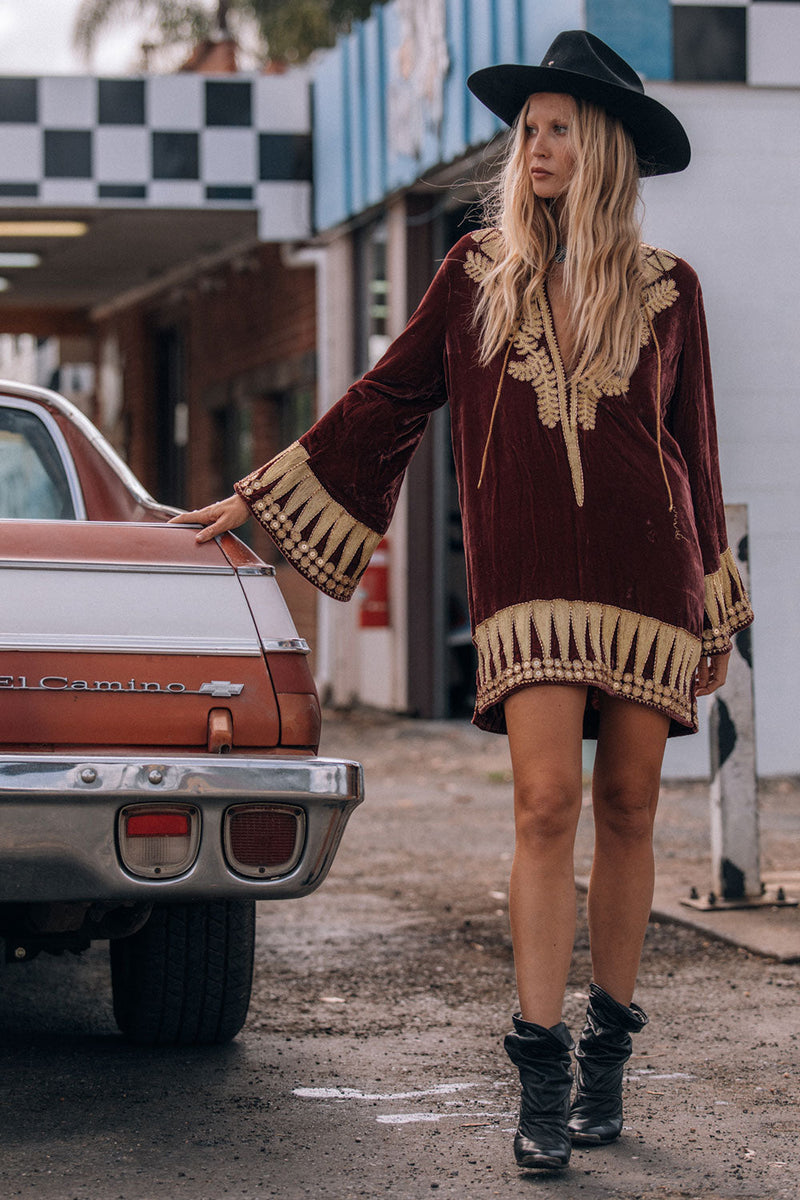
<point x="11" y="259"/>
<point x="34" y="229"/>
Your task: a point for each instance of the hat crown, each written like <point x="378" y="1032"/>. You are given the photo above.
<point x="579" y="51"/>
<point x="581" y="65"/>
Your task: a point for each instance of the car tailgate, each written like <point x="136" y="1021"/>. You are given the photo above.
<point x="124" y="634"/>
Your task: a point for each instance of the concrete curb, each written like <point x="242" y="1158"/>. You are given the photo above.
<point x="770" y="931"/>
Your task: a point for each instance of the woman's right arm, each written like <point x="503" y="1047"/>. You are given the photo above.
<point x="327" y="499"/>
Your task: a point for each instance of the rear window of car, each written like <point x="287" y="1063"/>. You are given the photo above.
<point x="33" y="482"/>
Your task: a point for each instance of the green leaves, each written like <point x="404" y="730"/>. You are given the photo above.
<point x="286" y="30"/>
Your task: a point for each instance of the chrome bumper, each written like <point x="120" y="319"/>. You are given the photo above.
<point x="58" y="817"/>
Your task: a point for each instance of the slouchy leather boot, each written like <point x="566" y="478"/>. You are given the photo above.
<point x="603" y="1050"/>
<point x="542" y="1057"/>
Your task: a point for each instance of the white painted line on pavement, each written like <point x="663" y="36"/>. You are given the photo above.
<point x="409" y="1118"/>
<point x="647" y="1074"/>
<point x="344" y="1093"/>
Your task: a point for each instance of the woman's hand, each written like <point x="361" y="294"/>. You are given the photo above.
<point x="218" y="518"/>
<point x="712" y="673"/>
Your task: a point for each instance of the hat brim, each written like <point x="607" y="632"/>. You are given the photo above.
<point x="662" y="146"/>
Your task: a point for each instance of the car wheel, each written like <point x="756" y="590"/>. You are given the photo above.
<point x="184" y="978"/>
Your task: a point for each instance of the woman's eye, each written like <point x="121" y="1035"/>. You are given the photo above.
<point x="561" y="129"/>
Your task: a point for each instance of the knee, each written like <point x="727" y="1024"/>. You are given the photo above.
<point x="625" y="810"/>
<point x="545" y="812"/>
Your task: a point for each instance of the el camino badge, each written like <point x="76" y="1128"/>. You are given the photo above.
<point x="60" y="683"/>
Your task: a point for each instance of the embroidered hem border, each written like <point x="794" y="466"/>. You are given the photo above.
<point x="727" y="606"/>
<point x="312" y="530"/>
<point x="570" y="641"/>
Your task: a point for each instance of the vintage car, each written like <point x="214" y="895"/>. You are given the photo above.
<point x="159" y="728"/>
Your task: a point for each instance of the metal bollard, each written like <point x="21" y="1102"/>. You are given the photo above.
<point x="735" y="855"/>
<point x="734" y="789"/>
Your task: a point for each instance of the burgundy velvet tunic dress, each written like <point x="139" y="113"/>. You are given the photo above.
<point x="595" y="545"/>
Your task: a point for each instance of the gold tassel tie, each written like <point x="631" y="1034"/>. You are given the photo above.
<point x="658" y="411"/>
<point x="678" y="534"/>
<point x="494" y="407"/>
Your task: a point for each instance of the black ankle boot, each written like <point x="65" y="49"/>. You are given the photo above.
<point x="603" y="1050"/>
<point x="545" y="1072"/>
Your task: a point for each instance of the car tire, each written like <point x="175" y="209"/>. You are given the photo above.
<point x="184" y="979"/>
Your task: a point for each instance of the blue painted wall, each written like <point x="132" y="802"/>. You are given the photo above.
<point x="357" y="162"/>
<point x="641" y="33"/>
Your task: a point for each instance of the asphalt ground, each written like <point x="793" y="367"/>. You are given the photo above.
<point x="372" y="1062"/>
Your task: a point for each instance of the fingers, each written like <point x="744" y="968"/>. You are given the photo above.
<point x="217" y="518"/>
<point x="712" y="673"/>
<point x="198" y="516"/>
<point x="217" y="527"/>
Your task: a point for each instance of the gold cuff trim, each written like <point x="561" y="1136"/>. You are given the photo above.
<point x="727" y="606"/>
<point x="312" y="530"/>
<point x="623" y="652"/>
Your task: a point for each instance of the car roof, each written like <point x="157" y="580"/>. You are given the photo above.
<point x="69" y="413"/>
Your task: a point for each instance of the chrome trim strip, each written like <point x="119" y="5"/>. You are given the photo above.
<point x="51" y="425"/>
<point x="121" y="568"/>
<point x="286" y="645"/>
<point x="108" y="644"/>
<point x="265" y="570"/>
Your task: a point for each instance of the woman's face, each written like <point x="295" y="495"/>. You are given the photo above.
<point x="548" y="144"/>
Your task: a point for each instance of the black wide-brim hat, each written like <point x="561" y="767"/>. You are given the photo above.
<point x="580" y="65"/>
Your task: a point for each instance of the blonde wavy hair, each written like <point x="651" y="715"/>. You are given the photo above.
<point x="599" y="223"/>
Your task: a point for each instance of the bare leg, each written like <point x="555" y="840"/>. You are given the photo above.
<point x="627" y="773"/>
<point x="544" y="730"/>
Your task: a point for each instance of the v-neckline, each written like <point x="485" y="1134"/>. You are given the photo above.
<point x="552" y="336"/>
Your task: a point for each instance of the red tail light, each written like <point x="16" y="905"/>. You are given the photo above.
<point x="157" y="824"/>
<point x="158" y="841"/>
<point x="264" y="840"/>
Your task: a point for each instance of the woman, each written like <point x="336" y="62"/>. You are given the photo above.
<point x="602" y="592"/>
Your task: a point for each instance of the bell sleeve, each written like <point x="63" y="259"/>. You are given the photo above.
<point x="693" y="425"/>
<point x="327" y="500"/>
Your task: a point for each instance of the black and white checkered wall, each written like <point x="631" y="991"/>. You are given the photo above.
<point x="163" y="141"/>
<point x="738" y="41"/>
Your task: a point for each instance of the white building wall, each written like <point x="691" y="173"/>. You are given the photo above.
<point x="18" y="358"/>
<point x="338" y="672"/>
<point x="733" y="216"/>
<point x="364" y="665"/>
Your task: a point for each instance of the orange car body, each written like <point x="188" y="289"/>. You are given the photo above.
<point x="137" y="667"/>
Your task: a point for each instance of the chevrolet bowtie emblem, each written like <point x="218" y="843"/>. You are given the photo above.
<point x="221" y="687"/>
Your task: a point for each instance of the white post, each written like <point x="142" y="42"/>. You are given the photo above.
<point x="734" y="790"/>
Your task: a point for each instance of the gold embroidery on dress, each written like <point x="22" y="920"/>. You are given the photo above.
<point x="315" y="533"/>
<point x="624" y="652"/>
<point x="537" y="368"/>
<point x="655" y="263"/>
<point x="475" y="266"/>
<point x="727" y="607"/>
<point x="490" y="241"/>
<point x="572" y="403"/>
